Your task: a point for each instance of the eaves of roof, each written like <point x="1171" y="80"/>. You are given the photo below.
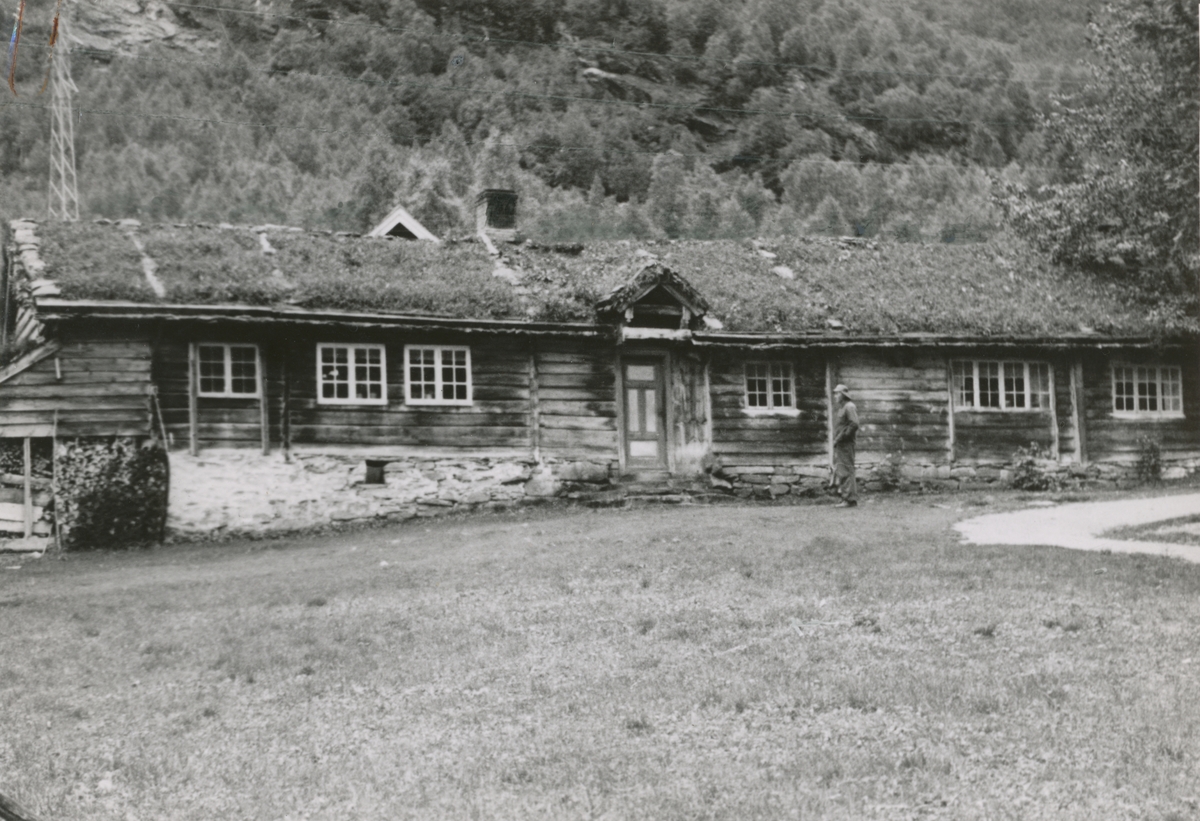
<point x="58" y="310"/>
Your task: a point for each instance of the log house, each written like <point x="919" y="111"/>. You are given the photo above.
<point x="586" y="367"/>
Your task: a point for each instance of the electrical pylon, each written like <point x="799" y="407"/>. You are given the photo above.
<point x="64" y="192"/>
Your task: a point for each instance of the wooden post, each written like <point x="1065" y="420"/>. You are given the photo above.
<point x="535" y="411"/>
<point x="950" y="408"/>
<point x="285" y="407"/>
<point x="28" y="488"/>
<point x="158" y="417"/>
<point x="193" y="389"/>
<point x="263" y="420"/>
<point x="829" y="382"/>
<point x="1078" y="411"/>
<point x="54" y="482"/>
<point x="708" y="411"/>
<point x="619" y="387"/>
<point x="5" y="300"/>
<point x="668" y="400"/>
<point x="1053" y="414"/>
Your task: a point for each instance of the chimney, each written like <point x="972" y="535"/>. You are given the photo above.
<point x="496" y="213"/>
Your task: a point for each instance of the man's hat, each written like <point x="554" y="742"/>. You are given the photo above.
<point x="843" y="390"/>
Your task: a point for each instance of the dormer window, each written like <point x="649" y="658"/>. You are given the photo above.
<point x="657" y="309"/>
<point x="657" y="298"/>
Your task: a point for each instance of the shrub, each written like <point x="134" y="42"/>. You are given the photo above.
<point x="1149" y="464"/>
<point x="111" y="493"/>
<point x="889" y="472"/>
<point x="1028" y="473"/>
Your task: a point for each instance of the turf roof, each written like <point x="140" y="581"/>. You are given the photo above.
<point x="995" y="288"/>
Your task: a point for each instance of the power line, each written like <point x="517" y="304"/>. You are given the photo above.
<point x="462" y="38"/>
<point x="142" y="115"/>
<point x="466" y="89"/>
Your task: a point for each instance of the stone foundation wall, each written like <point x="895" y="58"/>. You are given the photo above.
<point x="776" y="481"/>
<point x="227" y="492"/>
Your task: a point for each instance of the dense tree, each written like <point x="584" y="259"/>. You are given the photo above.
<point x="1122" y="197"/>
<point x="328" y="114"/>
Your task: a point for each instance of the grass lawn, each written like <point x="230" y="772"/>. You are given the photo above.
<point x="732" y="662"/>
<point x="1185" y="530"/>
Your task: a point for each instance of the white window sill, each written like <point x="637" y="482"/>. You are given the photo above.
<point x="375" y="402"/>
<point x="1148" y="416"/>
<point x="435" y="403"/>
<point x="961" y="409"/>
<point x="228" y="395"/>
<point x="771" y="411"/>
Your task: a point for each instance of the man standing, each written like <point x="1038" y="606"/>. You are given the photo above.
<point x="845" y="427"/>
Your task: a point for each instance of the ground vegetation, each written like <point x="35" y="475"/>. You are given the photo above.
<point x="731" y="662"/>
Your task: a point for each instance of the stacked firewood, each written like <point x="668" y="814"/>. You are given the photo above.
<point x="110" y="493"/>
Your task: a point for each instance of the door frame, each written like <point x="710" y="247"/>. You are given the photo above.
<point x="663" y="359"/>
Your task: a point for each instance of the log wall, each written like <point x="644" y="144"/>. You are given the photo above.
<point x="577" y="401"/>
<point x="559" y="396"/>
<point x="221" y="421"/>
<point x="993" y="435"/>
<point x="575" y="408"/>
<point x="1064" y="405"/>
<point x="95" y="387"/>
<point x="498" y="417"/>
<point x="902" y="401"/>
<point x="1117" y="439"/>
<point x="742" y="438"/>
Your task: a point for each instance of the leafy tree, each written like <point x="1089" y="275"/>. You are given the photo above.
<point x="666" y="201"/>
<point x="1123" y="197"/>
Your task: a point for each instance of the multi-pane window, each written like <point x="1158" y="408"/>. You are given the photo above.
<point x="437" y="375"/>
<point x="351" y="374"/>
<point x="1001" y="385"/>
<point x="227" y="370"/>
<point x="1147" y="390"/>
<point x="769" y="386"/>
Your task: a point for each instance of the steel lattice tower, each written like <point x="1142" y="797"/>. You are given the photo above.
<point x="64" y="192"/>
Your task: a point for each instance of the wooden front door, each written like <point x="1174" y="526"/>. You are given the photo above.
<point x="645" y="417"/>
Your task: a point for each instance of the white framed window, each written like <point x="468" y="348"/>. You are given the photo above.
<point x="770" y="387"/>
<point x="1001" y="385"/>
<point x="437" y="375"/>
<point x="1147" y="390"/>
<point x="351" y="374"/>
<point x="227" y="370"/>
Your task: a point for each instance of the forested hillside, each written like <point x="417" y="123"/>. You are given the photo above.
<point x="675" y="118"/>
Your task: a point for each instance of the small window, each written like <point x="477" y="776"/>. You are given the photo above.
<point x="437" y="375"/>
<point x="1010" y="386"/>
<point x="1147" y="390"/>
<point x="351" y="374"/>
<point x="769" y="386"/>
<point x="227" y="370"/>
<point x="375" y="472"/>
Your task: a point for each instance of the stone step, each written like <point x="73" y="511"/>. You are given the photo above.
<point x="662" y="499"/>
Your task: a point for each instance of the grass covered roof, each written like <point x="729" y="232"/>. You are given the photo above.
<point x="786" y="285"/>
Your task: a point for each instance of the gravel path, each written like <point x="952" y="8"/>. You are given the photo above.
<point x="1078" y="526"/>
